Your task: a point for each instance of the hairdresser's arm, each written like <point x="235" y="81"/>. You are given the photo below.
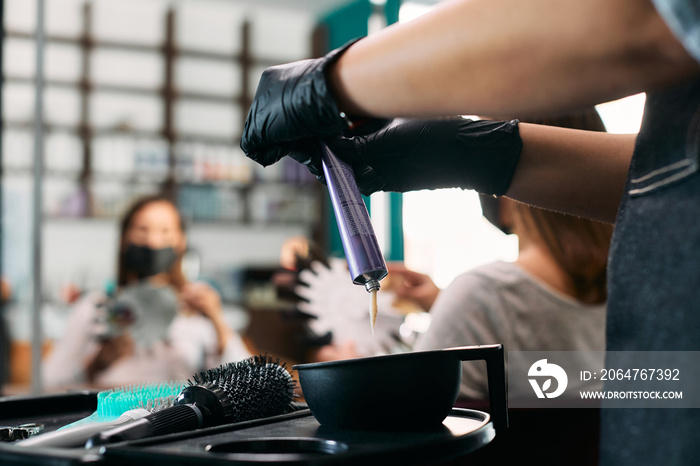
<point x="510" y="58"/>
<point x="577" y="172"/>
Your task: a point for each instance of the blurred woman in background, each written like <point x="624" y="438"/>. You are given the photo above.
<point x="552" y="298"/>
<point x="157" y="326"/>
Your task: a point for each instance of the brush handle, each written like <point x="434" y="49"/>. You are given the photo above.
<point x="179" y="418"/>
<point x="196" y="406"/>
<point x="77" y="436"/>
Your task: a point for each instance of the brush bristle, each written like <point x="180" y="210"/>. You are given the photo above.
<point x="257" y="387"/>
<point x="113" y="403"/>
<point x="158" y="404"/>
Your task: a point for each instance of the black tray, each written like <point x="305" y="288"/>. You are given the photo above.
<point x="53" y="411"/>
<point x="294" y="438"/>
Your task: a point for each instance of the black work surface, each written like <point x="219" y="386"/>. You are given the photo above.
<point x="299" y="439"/>
<point x="53" y="411"/>
<point x="295" y="438"/>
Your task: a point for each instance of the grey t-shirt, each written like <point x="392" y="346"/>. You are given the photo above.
<point x="501" y="303"/>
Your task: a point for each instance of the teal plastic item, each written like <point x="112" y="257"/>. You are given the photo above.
<point x="114" y="402"/>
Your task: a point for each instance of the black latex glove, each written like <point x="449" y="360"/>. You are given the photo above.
<point x="293" y="106"/>
<point x="429" y="154"/>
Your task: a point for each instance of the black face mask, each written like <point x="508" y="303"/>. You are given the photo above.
<point x="146" y="262"/>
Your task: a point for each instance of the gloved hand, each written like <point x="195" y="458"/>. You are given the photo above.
<point x="428" y="154"/>
<point x="293" y="106"/>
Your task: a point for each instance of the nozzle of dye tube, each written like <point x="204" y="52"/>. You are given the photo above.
<point x="372" y="285"/>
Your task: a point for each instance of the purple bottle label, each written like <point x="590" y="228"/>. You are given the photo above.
<point x="362" y="252"/>
<point x="354" y="210"/>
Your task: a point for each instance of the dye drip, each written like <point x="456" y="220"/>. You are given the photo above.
<point x="373" y="308"/>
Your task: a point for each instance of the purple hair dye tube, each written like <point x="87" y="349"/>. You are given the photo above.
<point x="362" y="252"/>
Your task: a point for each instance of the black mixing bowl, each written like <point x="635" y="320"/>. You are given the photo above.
<point x="398" y="391"/>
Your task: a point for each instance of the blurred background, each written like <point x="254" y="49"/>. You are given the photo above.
<point x="150" y="96"/>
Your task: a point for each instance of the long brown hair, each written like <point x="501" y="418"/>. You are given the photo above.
<point x="579" y="246"/>
<point x="175" y="276"/>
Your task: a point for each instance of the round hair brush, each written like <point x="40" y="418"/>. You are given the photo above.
<point x="239" y="391"/>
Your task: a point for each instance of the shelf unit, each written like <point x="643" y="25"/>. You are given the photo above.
<point x="199" y="170"/>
